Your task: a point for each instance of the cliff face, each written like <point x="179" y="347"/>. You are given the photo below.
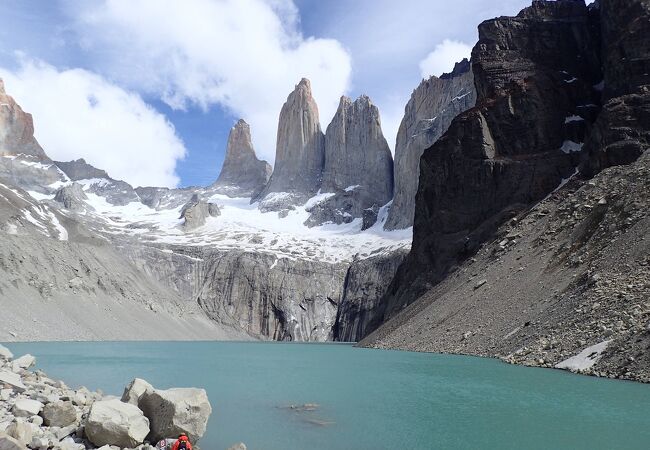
<point x="300" y="148"/>
<point x="17" y="129"/>
<point x="622" y="131"/>
<point x="562" y="283"/>
<point x="430" y="110"/>
<point x="533" y="74"/>
<point x="242" y="174"/>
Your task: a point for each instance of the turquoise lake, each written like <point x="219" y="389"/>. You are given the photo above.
<point x="369" y="399"/>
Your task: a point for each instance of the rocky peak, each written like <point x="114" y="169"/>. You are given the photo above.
<point x="427" y="115"/>
<point x="358" y="162"/>
<point x="80" y="170"/>
<point x="300" y="147"/>
<point x="242" y="174"/>
<point x="17" y="130"/>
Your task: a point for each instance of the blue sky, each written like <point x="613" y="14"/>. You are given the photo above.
<point x="149" y="89"/>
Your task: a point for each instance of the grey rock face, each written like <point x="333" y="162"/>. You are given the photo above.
<point x="71" y="197"/>
<point x="427" y="115"/>
<point x="365" y="284"/>
<point x="300" y="148"/>
<point x="242" y="174"/>
<point x="196" y="211"/>
<point x="80" y="170"/>
<point x="357" y="154"/>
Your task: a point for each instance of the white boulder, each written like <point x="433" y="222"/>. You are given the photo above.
<point x="176" y="411"/>
<point x="26" y="407"/>
<point x="112" y="422"/>
<point x="24" y="362"/>
<point x="12" y="380"/>
<point x="20" y="431"/>
<point x="5" y="353"/>
<point x="134" y="391"/>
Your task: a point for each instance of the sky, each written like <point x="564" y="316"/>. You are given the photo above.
<point x="149" y="89"/>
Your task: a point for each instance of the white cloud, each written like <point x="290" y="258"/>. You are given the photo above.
<point x="443" y="58"/>
<point x="245" y="55"/>
<point x="78" y="114"/>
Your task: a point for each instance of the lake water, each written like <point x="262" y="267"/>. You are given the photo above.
<point x="369" y="399"/>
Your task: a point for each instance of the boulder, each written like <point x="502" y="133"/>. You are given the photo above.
<point x="9" y="443"/>
<point x="24" y="362"/>
<point x="71" y="197"/>
<point x="135" y="390"/>
<point x="5" y="353"/>
<point x="25" y="407"/>
<point x="196" y="211"/>
<point x="59" y="414"/>
<point x="112" y="422"/>
<point x="13" y="380"/>
<point x="20" y="431"/>
<point x="175" y="411"/>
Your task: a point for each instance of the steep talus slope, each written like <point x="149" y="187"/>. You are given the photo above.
<point x="572" y="272"/>
<point x="430" y="110"/>
<point x="242" y="174"/>
<point x="564" y="283"/>
<point x="532" y="72"/>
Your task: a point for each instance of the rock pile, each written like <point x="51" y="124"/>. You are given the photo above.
<point x="39" y="413"/>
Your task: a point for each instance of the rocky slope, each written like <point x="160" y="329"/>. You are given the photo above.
<point x="430" y="110"/>
<point x="242" y="174"/>
<point x="493" y="272"/>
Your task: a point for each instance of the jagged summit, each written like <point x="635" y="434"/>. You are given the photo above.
<point x="17" y="127"/>
<point x="300" y="148"/>
<point x="358" y="164"/>
<point x="242" y="174"/>
<point x="80" y="170"/>
<point x="460" y="68"/>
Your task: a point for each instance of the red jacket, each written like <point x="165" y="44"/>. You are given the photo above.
<point x="178" y="443"/>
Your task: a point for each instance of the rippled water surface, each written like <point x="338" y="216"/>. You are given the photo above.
<point x="368" y="399"/>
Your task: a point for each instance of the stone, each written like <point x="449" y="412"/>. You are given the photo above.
<point x="242" y="174"/>
<point x="134" y="391"/>
<point x="13" y="380"/>
<point x="25" y="407"/>
<point x="71" y="197"/>
<point x="196" y="211"/>
<point x="113" y="422"/>
<point x="300" y="148"/>
<point x="9" y="443"/>
<point x="427" y="115"/>
<point x="20" y="431"/>
<point x="24" y="362"/>
<point x="59" y="414"/>
<point x="5" y="353"/>
<point x="175" y="411"/>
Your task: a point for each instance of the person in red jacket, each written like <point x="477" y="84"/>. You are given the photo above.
<point x="182" y="443"/>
